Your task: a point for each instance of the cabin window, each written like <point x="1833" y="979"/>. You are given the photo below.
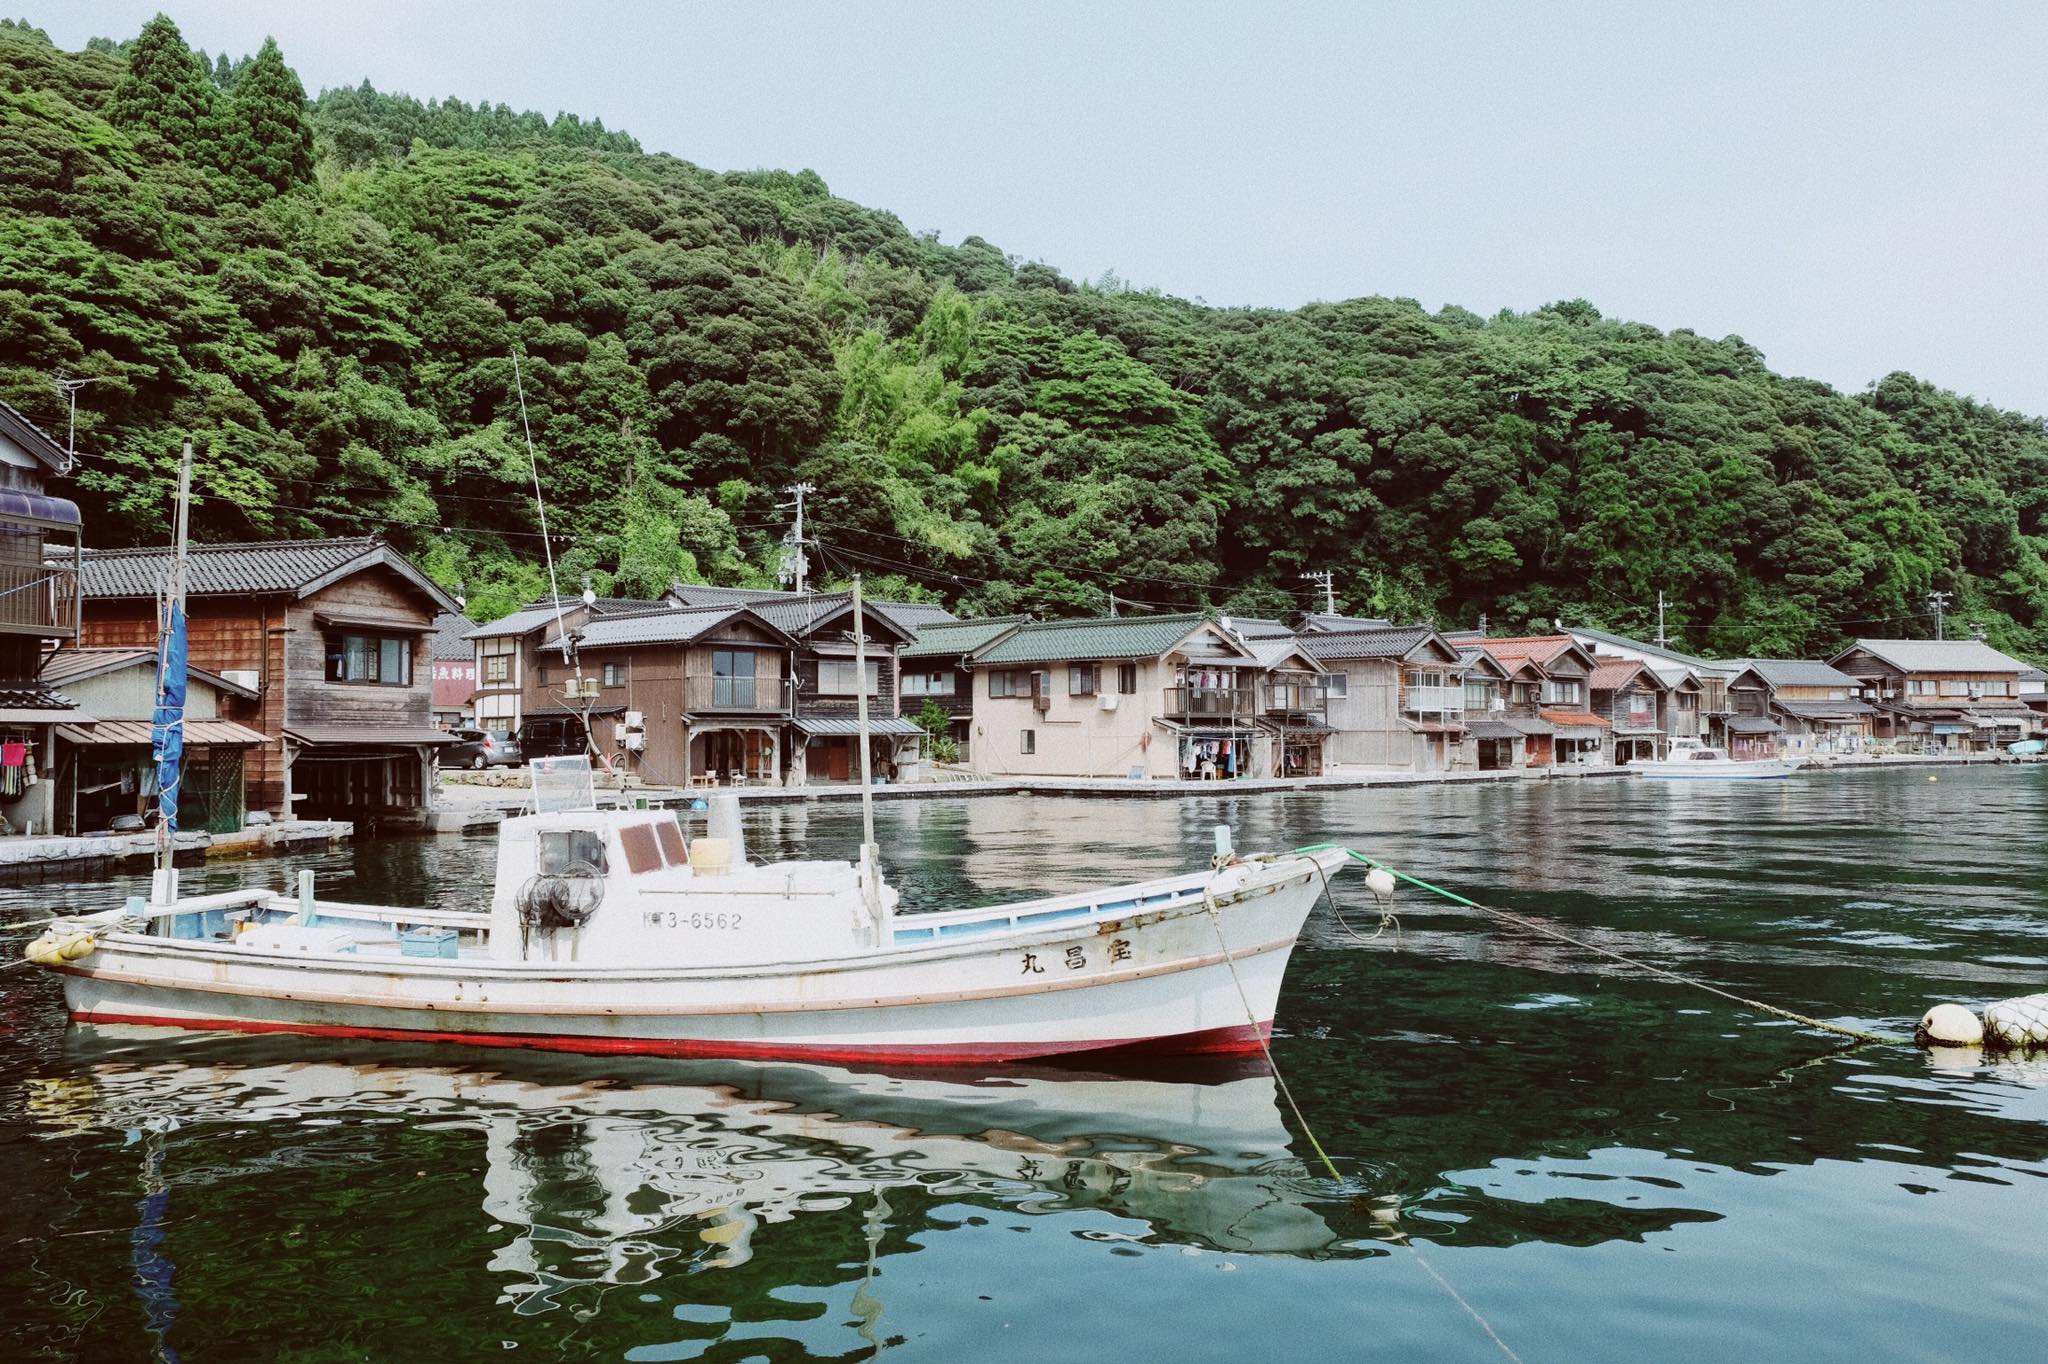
<point x="1337" y="685"/>
<point x="1127" y="679"/>
<point x="1080" y="679"/>
<point x="928" y="684"/>
<point x="835" y="676"/>
<point x="642" y="848"/>
<point x="1703" y="757"/>
<point x="1028" y="741"/>
<point x="378" y="659"/>
<point x="615" y="674"/>
<point x="571" y="850"/>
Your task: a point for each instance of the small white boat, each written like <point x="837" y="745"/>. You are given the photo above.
<point x="606" y="935"/>
<point x="1691" y="760"/>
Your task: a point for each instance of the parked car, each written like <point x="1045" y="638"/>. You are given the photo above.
<point x="553" y="736"/>
<point x="481" y="748"/>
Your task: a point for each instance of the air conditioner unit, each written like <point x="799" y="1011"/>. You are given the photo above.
<point x="1108" y="701"/>
<point x="1041" y="702"/>
<point x="1496" y="705"/>
<point x="635" y="740"/>
<point x="243" y="677"/>
<point x="635" y="720"/>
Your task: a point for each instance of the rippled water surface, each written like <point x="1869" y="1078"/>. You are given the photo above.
<point x="1535" y="1140"/>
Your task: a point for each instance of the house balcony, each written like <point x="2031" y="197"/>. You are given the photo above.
<point x="1434" y="700"/>
<point x="1293" y="698"/>
<point x="38" y="599"/>
<point x="1210" y="703"/>
<point x="736" y="695"/>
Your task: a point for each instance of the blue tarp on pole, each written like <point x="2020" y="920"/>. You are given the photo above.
<point x="167" y="730"/>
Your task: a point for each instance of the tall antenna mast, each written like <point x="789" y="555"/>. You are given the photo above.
<point x="547" y="545"/>
<point x="1662" y="642"/>
<point x="1939" y="601"/>
<point x="69" y="389"/>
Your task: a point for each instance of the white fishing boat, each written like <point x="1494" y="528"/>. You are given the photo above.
<point x="607" y="933"/>
<point x="1691" y="760"/>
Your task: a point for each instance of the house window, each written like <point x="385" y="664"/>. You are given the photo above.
<point x="378" y="659"/>
<point x="1127" y="679"/>
<point x="1954" y="686"/>
<point x="1478" y="695"/>
<point x="1995" y="688"/>
<point x="1001" y="684"/>
<point x="835" y="676"/>
<point x="732" y="677"/>
<point x="1337" y="685"/>
<point x="928" y="684"/>
<point x="1028" y="741"/>
<point x="1686" y="700"/>
<point x="498" y="668"/>
<point x="1564" y="691"/>
<point x="1080" y="679"/>
<point x="1919" y="686"/>
<point x="615" y="674"/>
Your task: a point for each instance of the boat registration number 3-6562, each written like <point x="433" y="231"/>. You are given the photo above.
<point x="676" y="918"/>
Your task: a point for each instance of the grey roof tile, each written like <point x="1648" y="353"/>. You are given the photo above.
<point x="1060" y="641"/>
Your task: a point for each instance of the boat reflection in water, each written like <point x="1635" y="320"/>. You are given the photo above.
<point x="663" y="1166"/>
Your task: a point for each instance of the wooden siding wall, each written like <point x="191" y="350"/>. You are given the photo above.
<point x="379" y="595"/>
<point x="226" y="634"/>
<point x="808" y="702"/>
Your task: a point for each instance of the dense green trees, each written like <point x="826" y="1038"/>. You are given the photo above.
<point x="328" y="298"/>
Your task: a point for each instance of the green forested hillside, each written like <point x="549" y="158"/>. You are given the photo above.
<point x="327" y="297"/>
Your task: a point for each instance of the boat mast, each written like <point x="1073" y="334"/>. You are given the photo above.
<point x="870" y="855"/>
<point x="170" y="708"/>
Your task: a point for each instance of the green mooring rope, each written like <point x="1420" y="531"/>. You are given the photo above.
<point x="1535" y="926"/>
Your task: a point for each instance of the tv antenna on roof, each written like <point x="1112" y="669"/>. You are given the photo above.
<point x="67" y="388"/>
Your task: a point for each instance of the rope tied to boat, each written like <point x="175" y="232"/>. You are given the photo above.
<point x="1523" y="921"/>
<point x="1399" y="1237"/>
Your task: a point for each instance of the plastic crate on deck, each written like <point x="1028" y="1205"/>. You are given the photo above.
<point x="428" y="942"/>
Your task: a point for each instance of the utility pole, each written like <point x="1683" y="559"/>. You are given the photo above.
<point x="1662" y="642"/>
<point x="1938" y="601"/>
<point x="1329" y="582"/>
<point x="795" y="539"/>
<point x="1112" y="603"/>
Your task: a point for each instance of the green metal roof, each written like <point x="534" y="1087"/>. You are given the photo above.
<point x="942" y="639"/>
<point x="1061" y="641"/>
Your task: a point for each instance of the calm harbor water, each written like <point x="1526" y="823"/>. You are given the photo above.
<point x="1603" y="1167"/>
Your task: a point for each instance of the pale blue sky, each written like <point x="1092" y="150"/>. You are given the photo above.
<point x="1854" y="188"/>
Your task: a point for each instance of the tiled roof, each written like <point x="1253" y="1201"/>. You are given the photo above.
<point x="34" y="698"/>
<point x="675" y="625"/>
<point x="848" y="726"/>
<point x="909" y="615"/>
<point x="32" y="438"/>
<point x="518" y="623"/>
<point x="941" y="639"/>
<point x="1796" y="672"/>
<point x="71" y="664"/>
<point x="243" y="569"/>
<point x="1059" y="641"/>
<point x="272" y="566"/>
<point x="1574" y="719"/>
<point x="1260" y="627"/>
<point x="451" y="638"/>
<point x="1752" y="724"/>
<point x="1936" y="655"/>
<point x="1397" y="642"/>
<point x="1656" y="651"/>
<point x="1271" y="650"/>
<point x="1537" y="649"/>
<point x="1612" y="674"/>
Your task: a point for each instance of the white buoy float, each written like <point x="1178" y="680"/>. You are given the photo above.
<point x="1380" y="882"/>
<point x="2017" y="1024"/>
<point x="1949" y="1025"/>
